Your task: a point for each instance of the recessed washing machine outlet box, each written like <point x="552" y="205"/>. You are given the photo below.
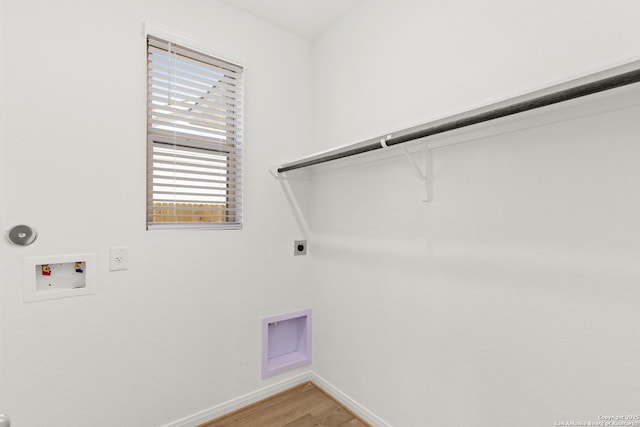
<point x="58" y="276"/>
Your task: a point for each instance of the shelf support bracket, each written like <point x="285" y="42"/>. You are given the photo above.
<point x="287" y="183"/>
<point x="424" y="172"/>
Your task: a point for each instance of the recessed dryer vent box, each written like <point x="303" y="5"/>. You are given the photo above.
<point x="58" y="276"/>
<point x="286" y="342"/>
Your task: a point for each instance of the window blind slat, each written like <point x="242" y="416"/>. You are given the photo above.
<point x="186" y="167"/>
<point x="180" y="164"/>
<point x="217" y="110"/>
<point x="178" y="169"/>
<point x="185" y="171"/>
<point x="161" y="150"/>
<point x="167" y="66"/>
<point x="169" y="113"/>
<point x="161" y="178"/>
<point x="185" y="137"/>
<point x="155" y="42"/>
<point x="198" y="57"/>
<point x="161" y="191"/>
<point x="219" y="107"/>
<point x="229" y="225"/>
<point x="186" y="197"/>
<point x="209" y="63"/>
<point x="165" y="120"/>
<point x="168" y="207"/>
<point x="166" y="216"/>
<point x="192" y="127"/>
<point x="225" y="118"/>
<point x="178" y="217"/>
<point x="180" y="78"/>
<point x="212" y="94"/>
<point x="187" y="205"/>
<point x="172" y="64"/>
<point x="226" y="148"/>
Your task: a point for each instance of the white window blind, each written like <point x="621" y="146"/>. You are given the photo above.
<point x="194" y="139"/>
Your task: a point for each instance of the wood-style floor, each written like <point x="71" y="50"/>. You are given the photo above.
<point x="301" y="406"/>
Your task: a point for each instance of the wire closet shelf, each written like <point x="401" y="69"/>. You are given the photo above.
<point x="606" y="80"/>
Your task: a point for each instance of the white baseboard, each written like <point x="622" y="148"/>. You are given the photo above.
<point x="348" y="402"/>
<point x="240" y="402"/>
<point x="253" y="397"/>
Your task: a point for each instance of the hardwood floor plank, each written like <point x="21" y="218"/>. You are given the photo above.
<point x="331" y="415"/>
<point x="306" y="421"/>
<point x="235" y="417"/>
<point x="305" y="405"/>
<point x="353" y="423"/>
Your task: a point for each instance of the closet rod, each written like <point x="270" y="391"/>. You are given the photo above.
<point x="590" y="88"/>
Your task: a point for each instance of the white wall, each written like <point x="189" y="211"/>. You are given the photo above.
<point x="390" y="65"/>
<point x="2" y="179"/>
<point x="510" y="298"/>
<point x="179" y="331"/>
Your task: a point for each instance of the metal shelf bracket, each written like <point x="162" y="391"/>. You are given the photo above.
<point x="424" y="171"/>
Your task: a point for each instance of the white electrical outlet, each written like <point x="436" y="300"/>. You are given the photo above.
<point x="118" y="259"/>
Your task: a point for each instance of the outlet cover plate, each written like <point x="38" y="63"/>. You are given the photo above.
<point x="118" y="259"/>
<point x="300" y="247"/>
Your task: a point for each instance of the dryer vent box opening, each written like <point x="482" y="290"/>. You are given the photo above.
<point x="286" y="342"/>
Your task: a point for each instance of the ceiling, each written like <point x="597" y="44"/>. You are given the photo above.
<point x="306" y="18"/>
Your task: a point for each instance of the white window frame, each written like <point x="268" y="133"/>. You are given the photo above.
<point x="194" y="138"/>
